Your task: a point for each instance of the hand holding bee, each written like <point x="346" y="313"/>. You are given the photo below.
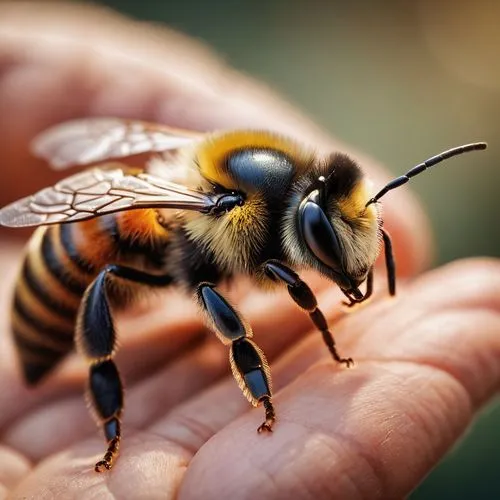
<point x="177" y="398"/>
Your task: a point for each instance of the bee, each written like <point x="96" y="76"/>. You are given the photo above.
<point x="206" y="208"/>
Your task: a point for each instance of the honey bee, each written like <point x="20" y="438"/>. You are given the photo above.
<point x="208" y="207"/>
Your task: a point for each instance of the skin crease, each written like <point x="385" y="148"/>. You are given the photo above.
<point x="425" y="361"/>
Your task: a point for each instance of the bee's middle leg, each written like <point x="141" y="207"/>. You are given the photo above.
<point x="304" y="297"/>
<point x="96" y="339"/>
<point x="248" y="363"/>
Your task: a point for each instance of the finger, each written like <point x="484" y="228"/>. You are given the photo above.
<point x="50" y="70"/>
<point x="377" y="430"/>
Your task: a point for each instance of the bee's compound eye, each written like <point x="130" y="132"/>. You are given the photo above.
<point x="320" y="236"/>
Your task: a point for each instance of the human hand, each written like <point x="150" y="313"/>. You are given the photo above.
<point x="425" y="360"/>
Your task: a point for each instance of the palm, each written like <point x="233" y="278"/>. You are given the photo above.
<point x="424" y="362"/>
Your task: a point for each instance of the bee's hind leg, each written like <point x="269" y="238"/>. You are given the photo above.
<point x="96" y="339"/>
<point x="248" y="363"/>
<point x="304" y="297"/>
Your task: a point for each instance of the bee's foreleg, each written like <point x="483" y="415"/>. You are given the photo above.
<point x="304" y="297"/>
<point x="96" y="339"/>
<point x="248" y="363"/>
<point x="390" y="263"/>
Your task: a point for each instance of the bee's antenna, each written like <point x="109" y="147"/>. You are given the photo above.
<point x="403" y="179"/>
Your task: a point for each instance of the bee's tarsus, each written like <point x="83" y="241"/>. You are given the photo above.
<point x="267" y="425"/>
<point x="109" y="456"/>
<point x="332" y="348"/>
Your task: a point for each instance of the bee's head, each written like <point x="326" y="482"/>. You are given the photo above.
<point x="336" y="232"/>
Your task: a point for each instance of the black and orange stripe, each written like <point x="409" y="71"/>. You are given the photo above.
<point x="60" y="263"/>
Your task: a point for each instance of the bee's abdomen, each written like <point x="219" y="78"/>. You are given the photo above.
<point x="60" y="263"/>
<point x="46" y="300"/>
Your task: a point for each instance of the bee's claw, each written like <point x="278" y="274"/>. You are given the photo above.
<point x="347" y="361"/>
<point x="267" y="426"/>
<point x="103" y="464"/>
<point x="349" y="304"/>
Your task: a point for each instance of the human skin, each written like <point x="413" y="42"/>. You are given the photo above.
<point x="426" y="361"/>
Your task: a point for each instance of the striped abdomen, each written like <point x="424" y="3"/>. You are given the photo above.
<point x="60" y="263"/>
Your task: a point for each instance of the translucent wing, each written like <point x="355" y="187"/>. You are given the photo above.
<point x="91" y="140"/>
<point x="96" y="192"/>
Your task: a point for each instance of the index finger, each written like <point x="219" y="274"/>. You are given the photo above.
<point x="51" y="71"/>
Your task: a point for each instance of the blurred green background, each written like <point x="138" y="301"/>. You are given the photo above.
<point x="401" y="80"/>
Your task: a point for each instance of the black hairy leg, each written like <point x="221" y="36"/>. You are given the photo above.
<point x="248" y="363"/>
<point x="96" y="339"/>
<point x="304" y="297"/>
